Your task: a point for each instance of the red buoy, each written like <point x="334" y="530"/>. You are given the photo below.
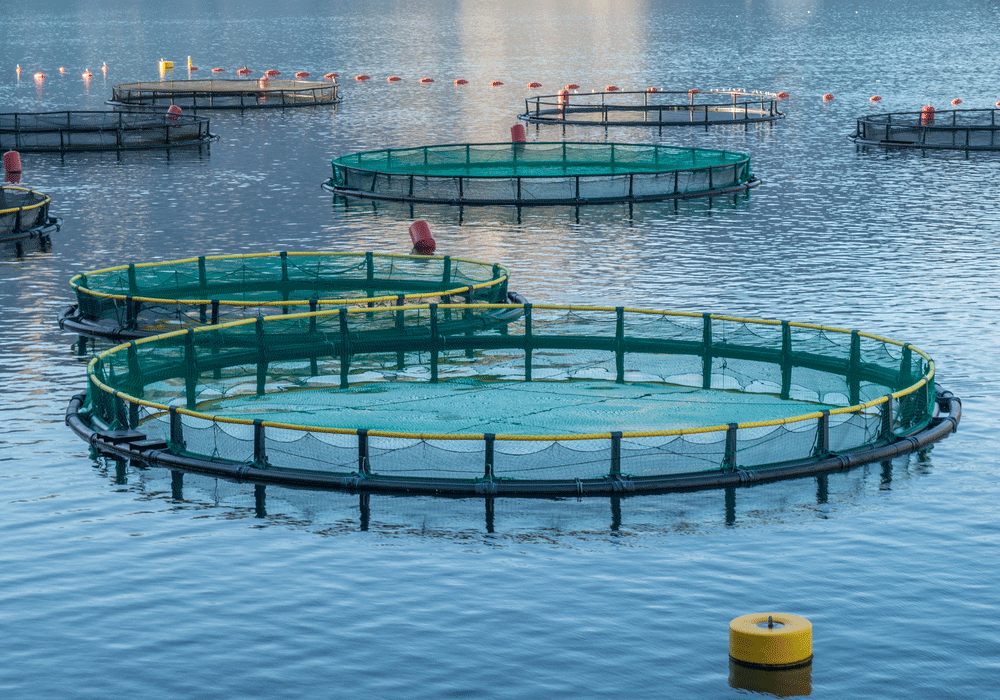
<point x="39" y="76"/>
<point x="218" y="70"/>
<point x="926" y="115"/>
<point x="496" y="83"/>
<point x="332" y="76"/>
<point x="612" y="88"/>
<point x="173" y="111"/>
<point x="827" y="97"/>
<point x="12" y="162"/>
<point x="461" y="81"/>
<point x="393" y="79"/>
<point x="302" y="74"/>
<point x="782" y="95"/>
<point x="244" y="71"/>
<point x="423" y="241"/>
<point x="693" y="91"/>
<point x="956" y="101"/>
<point x="517" y="133"/>
<point x="874" y="98"/>
<point x="427" y="80"/>
<point x="652" y="89"/>
<point x="272" y="73"/>
<point x="572" y="86"/>
<point x="533" y="85"/>
<point x="563" y="97"/>
<point x="362" y="77"/>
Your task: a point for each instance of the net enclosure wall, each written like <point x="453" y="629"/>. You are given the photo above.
<point x="24" y="213"/>
<point x="100" y="131"/>
<point x="226" y="94"/>
<point x="954" y="129"/>
<point x="660" y="108"/>
<point x="141" y="299"/>
<point x="563" y="400"/>
<point x="540" y="173"/>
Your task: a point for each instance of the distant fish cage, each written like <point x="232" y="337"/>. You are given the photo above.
<point x="226" y="94"/>
<point x="62" y="132"/>
<point x="953" y="129"/>
<point x="24" y="213"/>
<point x="652" y="108"/>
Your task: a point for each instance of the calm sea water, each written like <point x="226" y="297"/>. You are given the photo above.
<point x="123" y="582"/>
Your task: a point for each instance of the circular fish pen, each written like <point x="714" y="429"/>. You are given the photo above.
<point x="63" y="132"/>
<point x="540" y="173"/>
<point x="659" y="109"/>
<point x="561" y="401"/>
<point x="226" y="94"/>
<point x="138" y="300"/>
<point x="24" y="213"/>
<point x="952" y="129"/>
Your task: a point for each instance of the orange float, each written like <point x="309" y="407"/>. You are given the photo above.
<point x="827" y="97"/>
<point x="427" y="80"/>
<point x="332" y="76"/>
<point x="193" y="68"/>
<point x="998" y="103"/>
<point x="874" y="98"/>
<point x="495" y="83"/>
<point x="612" y="88"/>
<point x="423" y="241"/>
<point x="693" y="91"/>
<point x="173" y="111"/>
<point x="39" y="76"/>
<point x="87" y="75"/>
<point x="518" y="133"/>
<point x="652" y="89"/>
<point x="362" y="77"/>
<point x="393" y="79"/>
<point x="926" y="115"/>
<point x="272" y="73"/>
<point x="218" y="70"/>
<point x="302" y="74"/>
<point x="782" y="95"/>
<point x="18" y="69"/>
<point x="461" y="81"/>
<point x="956" y="101"/>
<point x="12" y="162"/>
<point x="244" y="71"/>
<point x="533" y="85"/>
<point x="572" y="86"/>
<point x="562" y="97"/>
<point x="61" y="69"/>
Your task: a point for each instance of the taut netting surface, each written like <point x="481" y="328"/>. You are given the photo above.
<point x="226" y="94"/>
<point x="646" y="108"/>
<point x="162" y="296"/>
<point x="396" y="396"/>
<point x="959" y="129"/>
<point x="23" y="212"/>
<point x="539" y="173"/>
<point x="99" y="131"/>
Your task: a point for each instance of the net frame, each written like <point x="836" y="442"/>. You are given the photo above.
<point x="141" y="299"/>
<point x="517" y="464"/>
<point x="501" y="173"/>
<point x="955" y="129"/>
<point x="226" y="94"/>
<point x="658" y="109"/>
<point x="24" y="213"/>
<point x="68" y="131"/>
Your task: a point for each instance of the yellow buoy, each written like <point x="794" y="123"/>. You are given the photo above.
<point x="770" y="640"/>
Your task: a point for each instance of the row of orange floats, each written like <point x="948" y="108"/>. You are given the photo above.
<point x="40" y="76"/>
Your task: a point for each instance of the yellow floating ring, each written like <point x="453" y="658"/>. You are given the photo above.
<point x="770" y="640"/>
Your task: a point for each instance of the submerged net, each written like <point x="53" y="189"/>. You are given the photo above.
<point x="959" y="129"/>
<point x="162" y="296"/>
<point x="22" y="211"/>
<point x="538" y="173"/>
<point x="560" y="394"/>
<point x="97" y="131"/>
<point x="646" y="108"/>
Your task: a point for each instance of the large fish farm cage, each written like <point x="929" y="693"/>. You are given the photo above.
<point x="537" y="173"/>
<point x="137" y="300"/>
<point x="226" y="94"/>
<point x="558" y="401"/>
<point x="100" y="131"/>
<point x="24" y="213"/>
<point x="953" y="129"/>
<point x="645" y="108"/>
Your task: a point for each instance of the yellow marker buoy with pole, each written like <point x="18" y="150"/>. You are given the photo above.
<point x="770" y="641"/>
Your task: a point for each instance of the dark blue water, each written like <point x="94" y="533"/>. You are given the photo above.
<point x="121" y="581"/>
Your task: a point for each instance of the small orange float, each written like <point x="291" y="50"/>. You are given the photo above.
<point x="652" y="89"/>
<point x="272" y="73"/>
<point x="874" y="98"/>
<point x="332" y="76"/>
<point x="427" y="80"/>
<point x="612" y="88"/>
<point x="18" y="69"/>
<point x="173" y="111"/>
<point x="927" y="115"/>
<point x="956" y="101"/>
<point x="87" y="75"/>
<point x="104" y="67"/>
<point x="532" y="85"/>
<point x="693" y="91"/>
<point x="827" y="97"/>
<point x="495" y="83"/>
<point x="782" y="95"/>
<point x="302" y="74"/>
<point x="998" y="103"/>
<point x="218" y="70"/>
<point x="563" y="97"/>
<point x="193" y="68"/>
<point x="423" y="240"/>
<point x="61" y="69"/>
<point x="572" y="86"/>
<point x="39" y="76"/>
<point x="393" y="79"/>
<point x="244" y="71"/>
<point x="362" y="77"/>
<point x="461" y="81"/>
<point x="518" y="133"/>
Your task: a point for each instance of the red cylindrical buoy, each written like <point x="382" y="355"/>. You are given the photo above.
<point x="827" y="97"/>
<point x="517" y="133"/>
<point x="12" y="162"/>
<point x="423" y="241"/>
<point x="563" y="97"/>
<point x="927" y="115"/>
<point x="173" y="111"/>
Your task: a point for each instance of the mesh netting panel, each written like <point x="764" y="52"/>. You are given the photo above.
<point x="21" y="210"/>
<point x="962" y="129"/>
<point x="87" y="131"/>
<point x="226" y="94"/>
